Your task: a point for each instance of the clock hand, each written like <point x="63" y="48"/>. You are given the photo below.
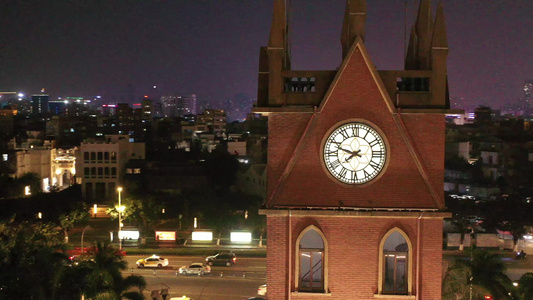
<point x="353" y="154"/>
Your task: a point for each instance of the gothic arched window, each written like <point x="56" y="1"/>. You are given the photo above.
<point x="396" y="263"/>
<point x="311" y="261"/>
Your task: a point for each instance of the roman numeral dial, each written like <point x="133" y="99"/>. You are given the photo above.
<point x="354" y="153"/>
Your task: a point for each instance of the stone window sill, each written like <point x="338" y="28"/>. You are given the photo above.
<point x="392" y="296"/>
<point x="308" y="294"/>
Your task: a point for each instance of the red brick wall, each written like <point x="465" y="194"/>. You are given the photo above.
<point x="356" y="95"/>
<point x="285" y="131"/>
<point x="354" y="241"/>
<point x="353" y="254"/>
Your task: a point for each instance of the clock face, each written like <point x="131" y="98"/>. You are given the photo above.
<point x="354" y="153"/>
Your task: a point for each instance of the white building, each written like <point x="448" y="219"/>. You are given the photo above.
<point x="100" y="165"/>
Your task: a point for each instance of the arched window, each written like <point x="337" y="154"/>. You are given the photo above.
<point x="311" y="261"/>
<point x="395" y="262"/>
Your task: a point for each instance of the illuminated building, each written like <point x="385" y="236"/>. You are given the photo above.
<point x="177" y="106"/>
<point x="211" y="121"/>
<point x="355" y="173"/>
<point x="39" y="103"/>
<point x="63" y="167"/>
<point x="100" y="164"/>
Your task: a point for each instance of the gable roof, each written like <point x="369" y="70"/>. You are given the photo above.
<point x="356" y="84"/>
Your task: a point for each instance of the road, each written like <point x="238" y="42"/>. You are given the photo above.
<point x="239" y="281"/>
<point x="515" y="268"/>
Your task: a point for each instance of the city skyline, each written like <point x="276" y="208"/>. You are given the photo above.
<point x="211" y="48"/>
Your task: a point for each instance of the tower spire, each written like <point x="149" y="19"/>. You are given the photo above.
<point x="439" y="38"/>
<point x="439" y="57"/>
<point x="277" y="52"/>
<point x="411" y="61"/>
<point x="423" y="28"/>
<point x="278" y="30"/>
<point x="354" y="24"/>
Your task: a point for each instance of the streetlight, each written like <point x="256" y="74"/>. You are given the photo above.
<point x="120" y="209"/>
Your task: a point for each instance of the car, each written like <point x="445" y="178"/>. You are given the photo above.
<point x="262" y="290"/>
<point x="75" y="260"/>
<point x="152" y="261"/>
<point x="195" y="268"/>
<point x="222" y="259"/>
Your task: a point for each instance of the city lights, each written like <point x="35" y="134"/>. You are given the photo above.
<point x="202" y="236"/>
<point x="242" y="237"/>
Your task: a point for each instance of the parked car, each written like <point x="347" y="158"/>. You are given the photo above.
<point x="195" y="268"/>
<point x="222" y="259"/>
<point x="262" y="290"/>
<point x="152" y="261"/>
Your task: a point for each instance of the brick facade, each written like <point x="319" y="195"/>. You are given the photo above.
<point x="406" y="199"/>
<point x="353" y="250"/>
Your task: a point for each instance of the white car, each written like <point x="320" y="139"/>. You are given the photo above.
<point x="262" y="290"/>
<point x="152" y="261"/>
<point x="194" y="268"/>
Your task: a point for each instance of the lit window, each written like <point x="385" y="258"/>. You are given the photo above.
<point x="311" y="254"/>
<point x="137" y="171"/>
<point x="4" y="157"/>
<point x="395" y="261"/>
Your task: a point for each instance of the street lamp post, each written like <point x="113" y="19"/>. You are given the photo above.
<point x="119" y="209"/>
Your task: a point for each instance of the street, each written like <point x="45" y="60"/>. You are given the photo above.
<point x="239" y="281"/>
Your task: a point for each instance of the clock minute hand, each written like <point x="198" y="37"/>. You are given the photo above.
<point x="354" y="153"/>
<point x="348" y="151"/>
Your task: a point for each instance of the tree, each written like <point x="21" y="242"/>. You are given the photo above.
<point x="221" y="169"/>
<point x="145" y="214"/>
<point x="32" y="254"/>
<point x="78" y="216"/>
<point x="508" y="214"/>
<point x="483" y="274"/>
<point x="104" y="279"/>
<point x="525" y="286"/>
<point x="462" y="210"/>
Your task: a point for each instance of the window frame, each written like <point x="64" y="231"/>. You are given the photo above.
<point x="409" y="261"/>
<point x="325" y="281"/>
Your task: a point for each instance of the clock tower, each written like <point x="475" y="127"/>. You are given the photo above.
<point x="355" y="200"/>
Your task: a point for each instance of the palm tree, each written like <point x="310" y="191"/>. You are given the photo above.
<point x="481" y="275"/>
<point x="105" y="281"/>
<point x="525" y="286"/>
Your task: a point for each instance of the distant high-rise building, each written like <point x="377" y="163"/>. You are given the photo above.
<point x="57" y="107"/>
<point x="528" y="97"/>
<point x="39" y="103"/>
<point x="483" y="115"/>
<point x="177" y="106"/>
<point x="147" y="108"/>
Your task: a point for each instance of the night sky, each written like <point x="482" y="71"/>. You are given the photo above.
<point x="211" y="47"/>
